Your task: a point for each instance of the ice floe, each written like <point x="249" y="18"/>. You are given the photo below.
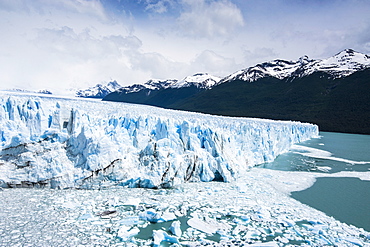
<point x="255" y="211"/>
<point x="322" y="154"/>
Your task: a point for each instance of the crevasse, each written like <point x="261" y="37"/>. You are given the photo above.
<point x="61" y="143"/>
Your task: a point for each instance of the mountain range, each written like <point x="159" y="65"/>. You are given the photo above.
<point x="333" y="93"/>
<point x="164" y="93"/>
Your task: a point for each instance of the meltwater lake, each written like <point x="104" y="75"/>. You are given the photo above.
<point x="345" y="198"/>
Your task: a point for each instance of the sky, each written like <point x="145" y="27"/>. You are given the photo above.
<point x="64" y="44"/>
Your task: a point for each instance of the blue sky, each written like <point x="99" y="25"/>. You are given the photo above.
<point x="59" y="44"/>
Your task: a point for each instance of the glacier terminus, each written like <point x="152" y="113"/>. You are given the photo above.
<point x="78" y="143"/>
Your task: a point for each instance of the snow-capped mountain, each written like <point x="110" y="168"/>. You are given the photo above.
<point x="98" y="91"/>
<point x="200" y="80"/>
<point x="163" y="93"/>
<point x="342" y="64"/>
<point x="277" y="68"/>
<point x="42" y="91"/>
<point x="150" y="85"/>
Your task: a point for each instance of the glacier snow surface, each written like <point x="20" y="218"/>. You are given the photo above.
<point x="64" y="143"/>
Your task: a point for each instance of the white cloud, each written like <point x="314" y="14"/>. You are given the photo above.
<point x="44" y="7"/>
<point x="156" y="65"/>
<point x="213" y="63"/>
<point x="84" y="46"/>
<point x="209" y="18"/>
<point x="62" y="58"/>
<point x="63" y="43"/>
<point x="259" y="54"/>
<point x="93" y="7"/>
<point x="159" y="6"/>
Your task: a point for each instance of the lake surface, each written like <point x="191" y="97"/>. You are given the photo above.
<point x="346" y="199"/>
<point x="347" y="152"/>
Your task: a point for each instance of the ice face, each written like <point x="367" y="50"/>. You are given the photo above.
<point x="61" y="143"/>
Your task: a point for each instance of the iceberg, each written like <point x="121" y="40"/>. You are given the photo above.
<point x="175" y="228"/>
<point x="160" y="235"/>
<point x="55" y="142"/>
<point x="126" y="232"/>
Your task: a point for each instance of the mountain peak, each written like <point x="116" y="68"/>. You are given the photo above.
<point x="304" y="60"/>
<point x="349" y="53"/>
<point x="113" y="84"/>
<point x="349" y="50"/>
<point x="342" y="64"/>
<point x="199" y="80"/>
<point x="155" y="84"/>
<point x="98" y="91"/>
<point x="277" y="68"/>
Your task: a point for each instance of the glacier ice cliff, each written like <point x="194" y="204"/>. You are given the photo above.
<point x="62" y="143"/>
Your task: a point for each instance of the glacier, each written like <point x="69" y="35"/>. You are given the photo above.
<point x="76" y="143"/>
<point x="53" y="142"/>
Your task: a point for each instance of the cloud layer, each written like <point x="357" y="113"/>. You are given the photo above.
<point x="58" y="44"/>
<point x="202" y="19"/>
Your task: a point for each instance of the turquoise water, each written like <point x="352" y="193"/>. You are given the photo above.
<point x="346" y="199"/>
<point x="351" y="147"/>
